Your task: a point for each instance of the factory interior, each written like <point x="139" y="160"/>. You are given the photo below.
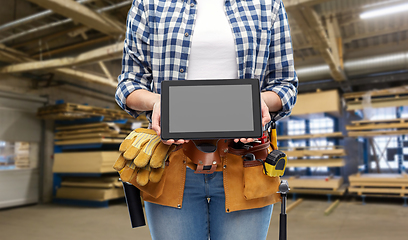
<point x="346" y="139"/>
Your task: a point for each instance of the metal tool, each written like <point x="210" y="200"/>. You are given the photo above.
<point x="283" y="190"/>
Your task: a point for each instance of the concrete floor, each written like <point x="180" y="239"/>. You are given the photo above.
<point x="351" y="220"/>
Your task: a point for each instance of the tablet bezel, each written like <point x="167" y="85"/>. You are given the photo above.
<point x="256" y="106"/>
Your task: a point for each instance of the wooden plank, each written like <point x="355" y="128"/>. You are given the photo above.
<point x="379" y="103"/>
<point x="81" y="14"/>
<point x="339" y="192"/>
<point x="99" y="182"/>
<point x="362" y="190"/>
<point x="394" y="120"/>
<point x="377" y="126"/>
<point x="376" y="133"/>
<point x="85" y="162"/>
<point x="316" y="163"/>
<point x="90" y="135"/>
<point x="311" y="103"/>
<point x="86" y="130"/>
<point x="379" y="177"/>
<point x="332" y="207"/>
<point x="313" y="182"/>
<point x="376" y="93"/>
<point x="293" y="205"/>
<point x="310" y="136"/>
<point x="90" y="125"/>
<point x="89" y="141"/>
<point x="311" y="148"/>
<point x="316" y="153"/>
<point x="378" y="184"/>
<point x="94" y="194"/>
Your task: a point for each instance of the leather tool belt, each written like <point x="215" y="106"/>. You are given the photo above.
<point x="251" y="153"/>
<point x="206" y="154"/>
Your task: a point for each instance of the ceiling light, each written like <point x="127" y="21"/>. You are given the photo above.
<point x="384" y="11"/>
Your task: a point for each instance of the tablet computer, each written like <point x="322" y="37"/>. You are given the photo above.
<point x="211" y="109"/>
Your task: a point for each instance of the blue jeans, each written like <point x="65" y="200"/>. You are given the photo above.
<point x="203" y="215"/>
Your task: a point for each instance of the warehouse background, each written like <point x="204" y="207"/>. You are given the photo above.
<point x="346" y="139"/>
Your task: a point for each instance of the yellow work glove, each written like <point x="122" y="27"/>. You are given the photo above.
<point x="143" y="157"/>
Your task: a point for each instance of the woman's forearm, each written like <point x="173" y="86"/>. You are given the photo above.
<point x="142" y="100"/>
<point x="272" y="100"/>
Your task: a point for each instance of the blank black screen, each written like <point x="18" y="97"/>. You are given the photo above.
<point x="220" y="108"/>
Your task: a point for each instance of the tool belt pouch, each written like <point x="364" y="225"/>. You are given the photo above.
<point x="256" y="183"/>
<point x="205" y="154"/>
<point x="153" y="189"/>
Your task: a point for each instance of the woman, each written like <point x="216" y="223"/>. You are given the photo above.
<point x="209" y="39"/>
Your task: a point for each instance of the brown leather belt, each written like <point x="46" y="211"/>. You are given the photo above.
<point x="206" y="154"/>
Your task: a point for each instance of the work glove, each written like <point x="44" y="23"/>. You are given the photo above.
<point x="143" y="157"/>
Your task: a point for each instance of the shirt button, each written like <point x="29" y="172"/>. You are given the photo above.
<point x="192" y="5"/>
<point x="181" y="70"/>
<point x="186" y="34"/>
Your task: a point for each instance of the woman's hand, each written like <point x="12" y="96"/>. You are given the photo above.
<point x="266" y="117"/>
<point x="156" y="125"/>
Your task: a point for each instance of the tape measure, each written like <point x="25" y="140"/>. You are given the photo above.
<point x="275" y="164"/>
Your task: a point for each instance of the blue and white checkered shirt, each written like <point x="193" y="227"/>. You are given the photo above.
<point x="158" y="41"/>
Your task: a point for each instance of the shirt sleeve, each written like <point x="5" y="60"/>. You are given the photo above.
<point x="280" y="75"/>
<point x="136" y="70"/>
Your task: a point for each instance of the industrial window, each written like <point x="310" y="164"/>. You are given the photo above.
<point x="387" y="149"/>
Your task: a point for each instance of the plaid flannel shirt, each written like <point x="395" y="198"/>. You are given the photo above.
<point x="159" y="35"/>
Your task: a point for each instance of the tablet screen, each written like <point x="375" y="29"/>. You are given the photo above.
<point x="200" y="109"/>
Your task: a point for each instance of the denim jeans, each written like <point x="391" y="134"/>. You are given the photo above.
<point x="203" y="215"/>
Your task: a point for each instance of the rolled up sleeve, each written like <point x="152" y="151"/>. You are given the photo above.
<point x="136" y="70"/>
<point x="280" y="74"/>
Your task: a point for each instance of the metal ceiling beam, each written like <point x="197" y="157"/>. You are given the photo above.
<point x="31" y="18"/>
<point x="377" y="33"/>
<point x="312" y="27"/>
<point x="292" y="4"/>
<point x="83" y="15"/>
<point x="13" y="56"/>
<point x="71" y="47"/>
<point x="113" y="51"/>
<point x="367" y="82"/>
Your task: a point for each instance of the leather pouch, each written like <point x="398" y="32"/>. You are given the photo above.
<point x="151" y="188"/>
<point x="256" y="183"/>
<point x="155" y="190"/>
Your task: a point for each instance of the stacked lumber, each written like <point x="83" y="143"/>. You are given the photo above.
<point x="102" y="132"/>
<point x="312" y="136"/>
<point x="85" y="162"/>
<point x="314" y="182"/>
<point x="70" y="111"/>
<point x="94" y="189"/>
<point x="22" y="154"/>
<point x="328" y="156"/>
<point x="367" y="128"/>
<point x="310" y="104"/>
<point x="389" y="185"/>
<point x="391" y="97"/>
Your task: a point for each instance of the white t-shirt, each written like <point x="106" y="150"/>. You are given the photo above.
<point x="213" y="54"/>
